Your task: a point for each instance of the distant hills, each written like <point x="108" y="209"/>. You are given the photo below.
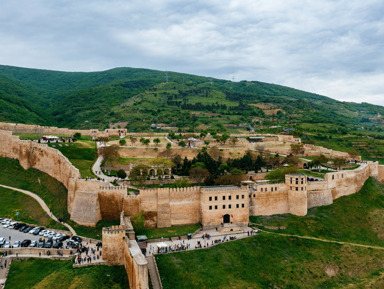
<point x="141" y="97"/>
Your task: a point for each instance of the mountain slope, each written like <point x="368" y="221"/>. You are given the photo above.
<point x="142" y="97"/>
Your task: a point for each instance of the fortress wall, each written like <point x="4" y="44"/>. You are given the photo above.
<point x="380" y="173"/>
<point x="37" y="129"/>
<point x="185" y="206"/>
<point x="131" y="205"/>
<point x="86" y="208"/>
<point x="344" y="183"/>
<point x="148" y="204"/>
<point x="319" y="194"/>
<point x="269" y="203"/>
<point x="38" y="156"/>
<point x="135" y="264"/>
<point x="119" y="250"/>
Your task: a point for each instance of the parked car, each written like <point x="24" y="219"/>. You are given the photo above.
<point x="18" y="225"/>
<point x="77" y="239"/>
<point x="7" y="245"/>
<point x="38" y="230"/>
<point x="2" y="242"/>
<point x="48" y="244"/>
<point x="63" y="238"/>
<point x="58" y="245"/>
<point x="27" y="229"/>
<point x="25" y="243"/>
<point x="16" y="244"/>
<point x="22" y="228"/>
<point x="33" y="243"/>
<point x="43" y="232"/>
<point x="41" y="243"/>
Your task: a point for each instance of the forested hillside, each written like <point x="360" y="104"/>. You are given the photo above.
<point x="143" y="97"/>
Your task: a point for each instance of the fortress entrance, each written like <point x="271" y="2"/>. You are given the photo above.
<point x="226" y="219"/>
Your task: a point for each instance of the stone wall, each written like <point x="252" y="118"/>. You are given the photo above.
<point x="269" y="200"/>
<point x="118" y="249"/>
<point x="43" y="130"/>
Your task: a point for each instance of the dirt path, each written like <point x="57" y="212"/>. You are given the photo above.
<point x="42" y="204"/>
<point x="324" y="240"/>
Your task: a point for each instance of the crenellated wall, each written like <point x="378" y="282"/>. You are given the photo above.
<point x="118" y="249"/>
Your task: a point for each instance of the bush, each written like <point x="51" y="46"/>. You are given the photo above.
<point x="121" y="174"/>
<point x="122" y="142"/>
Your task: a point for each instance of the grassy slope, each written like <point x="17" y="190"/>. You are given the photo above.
<point x="49" y="189"/>
<point x="28" y="208"/>
<point x="156" y="233"/>
<point x="267" y="261"/>
<point x="41" y="273"/>
<point x="355" y="218"/>
<point x="82" y="154"/>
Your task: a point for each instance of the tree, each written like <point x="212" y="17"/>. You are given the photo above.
<point x="297" y="148"/>
<point x="110" y="155"/>
<point x="338" y="162"/>
<point x="203" y="135"/>
<point x="181" y="183"/>
<point x="138" y="221"/>
<point x="260" y="148"/>
<point x="353" y="154"/>
<point x="156" y="141"/>
<point x="122" y="142"/>
<point x="278" y="175"/>
<point x="139" y="174"/>
<point x="224" y="137"/>
<point x="233" y="179"/>
<point x="234" y="140"/>
<point x="199" y="174"/>
<point x="320" y="160"/>
<point x="182" y="143"/>
<point x="121" y="174"/>
<point x="206" y="142"/>
<point x="146" y="142"/>
<point x="77" y="135"/>
<point x="133" y="140"/>
<point x="168" y="146"/>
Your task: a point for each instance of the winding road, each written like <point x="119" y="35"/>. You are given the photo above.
<point x="42" y="204"/>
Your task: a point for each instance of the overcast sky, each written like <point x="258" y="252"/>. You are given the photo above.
<point x="330" y="47"/>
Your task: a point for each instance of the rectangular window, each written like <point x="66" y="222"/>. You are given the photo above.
<point x="215" y="207"/>
<point x="271" y="189"/>
<point x="237" y="206"/>
<point x="291" y="181"/>
<point x="229" y="206"/>
<point x="223" y="198"/>
<point x="210" y="207"/>
<point x="210" y="198"/>
<point x="302" y="181"/>
<point x="297" y="188"/>
<point x="223" y="206"/>
<point x="254" y="195"/>
<point x="242" y="205"/>
<point x="237" y="197"/>
<point x="242" y="196"/>
<point x="297" y="181"/>
<point x="215" y="198"/>
<point x="230" y="197"/>
<point x="302" y="188"/>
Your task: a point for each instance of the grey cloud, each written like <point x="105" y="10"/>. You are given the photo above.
<point x="328" y="47"/>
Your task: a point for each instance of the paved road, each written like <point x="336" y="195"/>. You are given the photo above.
<point x="42" y="204"/>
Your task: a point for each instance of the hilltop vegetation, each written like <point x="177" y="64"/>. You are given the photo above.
<point x="191" y="103"/>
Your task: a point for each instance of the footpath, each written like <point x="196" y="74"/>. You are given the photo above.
<point x="42" y="204"/>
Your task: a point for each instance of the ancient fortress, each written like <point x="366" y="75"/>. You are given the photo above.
<point x="91" y="200"/>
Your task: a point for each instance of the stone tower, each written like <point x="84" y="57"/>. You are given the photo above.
<point x="297" y="194"/>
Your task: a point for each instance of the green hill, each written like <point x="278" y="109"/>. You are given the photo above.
<point x="189" y="102"/>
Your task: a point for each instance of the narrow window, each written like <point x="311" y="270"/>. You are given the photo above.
<point x="210" y="207"/>
<point x="223" y="198"/>
<point x="237" y="206"/>
<point x="229" y="197"/>
<point x="254" y="195"/>
<point x="272" y="189"/>
<point x="229" y="206"/>
<point x="223" y="206"/>
<point x="215" y="198"/>
<point x="297" y="188"/>
<point x="242" y="205"/>
<point x="237" y="197"/>
<point x="215" y="207"/>
<point x="210" y="198"/>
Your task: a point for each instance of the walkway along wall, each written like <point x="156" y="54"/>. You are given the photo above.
<point x="118" y="249"/>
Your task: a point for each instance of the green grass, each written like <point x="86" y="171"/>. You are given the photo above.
<point x="28" y="208"/>
<point x="356" y="218"/>
<point x="42" y="273"/>
<point x="157" y="233"/>
<point x="49" y="189"/>
<point x="270" y="261"/>
<point x="92" y="232"/>
<point x="82" y="154"/>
